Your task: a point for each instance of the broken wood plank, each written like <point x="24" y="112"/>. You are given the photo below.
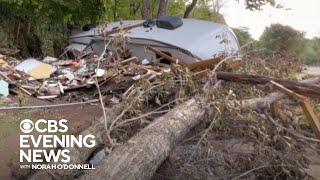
<point x="265" y="102"/>
<point x="127" y="61"/>
<point x="15" y="84"/>
<point x="229" y="64"/>
<point x="166" y="56"/>
<point x="301" y="88"/>
<point x="140" y="157"/>
<point x="201" y="74"/>
<point x="305" y="104"/>
<point x="126" y="28"/>
<point x="234" y="63"/>
<point x="205" y="64"/>
<point x="311" y="115"/>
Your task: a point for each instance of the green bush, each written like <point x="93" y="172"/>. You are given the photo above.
<point x="34" y="26"/>
<point x="282" y="39"/>
<point x="243" y="35"/>
<point x="310" y="51"/>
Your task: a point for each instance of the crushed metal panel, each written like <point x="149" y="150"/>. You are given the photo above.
<point x="202" y="39"/>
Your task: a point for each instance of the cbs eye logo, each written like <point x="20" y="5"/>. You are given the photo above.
<point x="26" y="126"/>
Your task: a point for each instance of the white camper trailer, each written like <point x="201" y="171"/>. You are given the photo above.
<point x="188" y="40"/>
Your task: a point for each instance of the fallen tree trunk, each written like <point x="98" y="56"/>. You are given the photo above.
<point x="140" y="157"/>
<point x="80" y="155"/>
<point x="299" y="87"/>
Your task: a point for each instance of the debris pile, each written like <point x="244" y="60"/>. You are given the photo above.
<point x="51" y="77"/>
<point x="189" y="113"/>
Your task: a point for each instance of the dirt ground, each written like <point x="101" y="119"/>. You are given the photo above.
<point x="79" y="117"/>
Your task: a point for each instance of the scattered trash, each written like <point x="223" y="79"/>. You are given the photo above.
<point x="137" y="77"/>
<point x="61" y="88"/>
<point x="100" y="72"/>
<point x="81" y="71"/>
<point x="36" y="69"/>
<point x="4" y="88"/>
<point x="68" y="74"/>
<point x="3" y="63"/>
<point x="145" y="62"/>
<point x="115" y="100"/>
<point x="47" y="97"/>
<point x="49" y="59"/>
<point x="136" y="83"/>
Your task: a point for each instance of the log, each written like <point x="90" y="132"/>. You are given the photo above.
<point x="301" y="88"/>
<point x="265" y="102"/>
<point x="140" y="157"/>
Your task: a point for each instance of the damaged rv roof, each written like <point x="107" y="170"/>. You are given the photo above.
<point x="203" y="39"/>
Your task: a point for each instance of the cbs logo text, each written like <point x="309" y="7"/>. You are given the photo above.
<point x="51" y="126"/>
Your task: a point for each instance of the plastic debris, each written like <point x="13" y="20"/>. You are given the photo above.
<point x="3" y="63"/>
<point x="68" y="74"/>
<point x="100" y="72"/>
<point x="81" y="71"/>
<point x="36" y="69"/>
<point x="137" y="77"/>
<point x="63" y="77"/>
<point x="49" y="59"/>
<point x="145" y="62"/>
<point x="4" y="88"/>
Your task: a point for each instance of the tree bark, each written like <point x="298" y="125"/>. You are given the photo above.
<point x="189" y="8"/>
<point x="301" y="88"/>
<point x="140" y="157"/>
<point x="163" y="8"/>
<point x="146" y="9"/>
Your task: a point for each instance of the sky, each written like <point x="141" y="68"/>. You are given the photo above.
<point x="301" y="15"/>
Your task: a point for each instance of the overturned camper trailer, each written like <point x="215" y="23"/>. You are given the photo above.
<point x="188" y="40"/>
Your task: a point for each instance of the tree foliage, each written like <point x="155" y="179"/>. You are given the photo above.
<point x="310" y="51"/>
<point x="280" y="38"/>
<point x="41" y="24"/>
<point x="243" y="35"/>
<point x="257" y="4"/>
<point x="37" y="27"/>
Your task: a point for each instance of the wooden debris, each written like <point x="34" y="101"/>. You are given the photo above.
<point x="127" y="61"/>
<point x="234" y="63"/>
<point x="265" y="102"/>
<point x="305" y="104"/>
<point x="206" y="64"/>
<point x="166" y="56"/>
<point x="127" y="28"/>
<point x="201" y="74"/>
<point x="301" y="88"/>
<point x="11" y="82"/>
